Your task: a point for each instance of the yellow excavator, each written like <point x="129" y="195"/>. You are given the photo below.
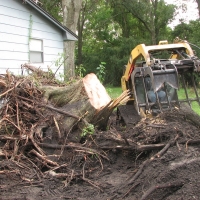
<point x="153" y="75"/>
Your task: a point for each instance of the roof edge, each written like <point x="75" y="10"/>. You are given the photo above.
<point x="52" y="19"/>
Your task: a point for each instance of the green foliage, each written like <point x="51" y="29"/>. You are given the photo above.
<point x="189" y="32"/>
<point x="80" y="71"/>
<point x="152" y="16"/>
<point x="59" y="60"/>
<point x="191" y="94"/>
<point x="195" y="107"/>
<point x="101" y="72"/>
<point x="182" y="31"/>
<point x="111" y="31"/>
<point x="113" y="92"/>
<point x="88" y="130"/>
<point x="115" y="55"/>
<point x="54" y="7"/>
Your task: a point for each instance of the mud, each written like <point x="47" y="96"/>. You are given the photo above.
<point x="115" y="168"/>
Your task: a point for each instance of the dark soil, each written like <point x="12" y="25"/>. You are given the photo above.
<point x="157" y="158"/>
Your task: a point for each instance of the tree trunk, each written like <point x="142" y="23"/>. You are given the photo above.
<point x="81" y="22"/>
<point x="86" y="98"/>
<point x="71" y="9"/>
<point x="53" y="110"/>
<point x="80" y="42"/>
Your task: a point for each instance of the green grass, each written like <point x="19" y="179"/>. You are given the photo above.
<point x="196" y="107"/>
<point x="191" y="94"/>
<point x="115" y="92"/>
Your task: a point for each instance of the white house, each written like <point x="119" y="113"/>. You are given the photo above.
<point x="28" y="34"/>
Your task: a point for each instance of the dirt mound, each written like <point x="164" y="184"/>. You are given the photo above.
<point x="156" y="159"/>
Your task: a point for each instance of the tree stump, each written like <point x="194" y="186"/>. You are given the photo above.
<point x="86" y="97"/>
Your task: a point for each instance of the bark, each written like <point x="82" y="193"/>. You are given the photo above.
<point x="82" y="102"/>
<point x="51" y="112"/>
<point x="87" y="98"/>
<point x="80" y="42"/>
<point x="87" y="7"/>
<point x="71" y="9"/>
<point x="83" y="98"/>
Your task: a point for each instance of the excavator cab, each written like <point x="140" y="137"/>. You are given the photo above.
<point x="154" y="73"/>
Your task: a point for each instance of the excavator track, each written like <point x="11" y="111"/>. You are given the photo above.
<point x="128" y="114"/>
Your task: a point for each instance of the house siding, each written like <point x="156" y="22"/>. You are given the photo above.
<point x="18" y="23"/>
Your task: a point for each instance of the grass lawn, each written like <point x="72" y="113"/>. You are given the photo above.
<point x="115" y="92"/>
<point x="191" y="94"/>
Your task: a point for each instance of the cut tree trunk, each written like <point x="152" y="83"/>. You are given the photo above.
<point x="86" y="98"/>
<point x="39" y="103"/>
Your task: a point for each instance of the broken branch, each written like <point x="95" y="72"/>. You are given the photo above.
<point x="165" y="185"/>
<point x="43" y="158"/>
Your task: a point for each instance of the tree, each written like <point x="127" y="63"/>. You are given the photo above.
<point x="67" y="12"/>
<point x="88" y="7"/>
<point x="71" y="10"/>
<point x="189" y="32"/>
<point x="154" y="15"/>
<point x="108" y="31"/>
<point x="101" y="41"/>
<point x="54" y="7"/>
<point x="182" y="31"/>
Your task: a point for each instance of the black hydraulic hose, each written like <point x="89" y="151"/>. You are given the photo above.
<point x="194" y="45"/>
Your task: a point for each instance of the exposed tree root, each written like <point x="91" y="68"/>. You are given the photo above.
<point x="33" y="132"/>
<point x="161" y="186"/>
<point x="147" y="162"/>
<point x="43" y="158"/>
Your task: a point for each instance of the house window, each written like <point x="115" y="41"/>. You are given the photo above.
<point x="36" y="51"/>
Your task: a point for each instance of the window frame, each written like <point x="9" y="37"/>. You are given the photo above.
<point x="37" y="51"/>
